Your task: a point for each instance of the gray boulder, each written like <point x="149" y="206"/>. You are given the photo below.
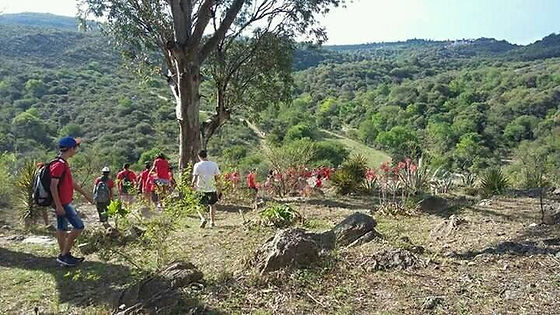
<point x="353" y="228"/>
<point x="159" y="293"/>
<point x="292" y="248"/>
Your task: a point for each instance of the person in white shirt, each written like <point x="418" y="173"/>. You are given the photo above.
<point x="205" y="175"/>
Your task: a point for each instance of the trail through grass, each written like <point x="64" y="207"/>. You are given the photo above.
<point x="374" y="157"/>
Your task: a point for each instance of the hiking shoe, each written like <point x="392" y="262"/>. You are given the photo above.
<point x="203" y="223"/>
<point x="78" y="259"/>
<point x="66" y="260"/>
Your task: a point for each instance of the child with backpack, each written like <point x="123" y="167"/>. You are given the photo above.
<point x="103" y="194"/>
<point x="53" y="186"/>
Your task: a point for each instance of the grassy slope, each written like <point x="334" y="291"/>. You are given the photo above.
<point x="373" y="156"/>
<point x="484" y="282"/>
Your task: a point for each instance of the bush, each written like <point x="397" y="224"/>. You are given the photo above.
<point x="329" y="153"/>
<point x="493" y="182"/>
<point x="280" y="216"/>
<point x="24" y="185"/>
<point x="7" y="162"/>
<point x="349" y="178"/>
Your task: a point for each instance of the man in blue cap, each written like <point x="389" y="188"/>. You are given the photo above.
<point x="62" y="190"/>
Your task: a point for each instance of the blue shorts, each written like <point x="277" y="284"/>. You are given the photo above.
<point x="70" y="215"/>
<point x="162" y="182"/>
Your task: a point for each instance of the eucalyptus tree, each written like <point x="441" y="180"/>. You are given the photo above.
<point x="187" y="32"/>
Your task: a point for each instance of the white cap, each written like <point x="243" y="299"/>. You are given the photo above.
<point x="105" y="170"/>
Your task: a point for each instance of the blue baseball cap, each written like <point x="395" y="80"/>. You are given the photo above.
<point x="69" y="142"/>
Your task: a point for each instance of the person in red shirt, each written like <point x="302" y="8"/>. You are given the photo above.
<point x="161" y="169"/>
<point x="103" y="194"/>
<point x="253" y="185"/>
<point x="62" y="191"/>
<point x="126" y="180"/>
<point x="141" y="182"/>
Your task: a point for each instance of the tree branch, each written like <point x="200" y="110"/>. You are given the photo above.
<point x="179" y="22"/>
<point x="231" y="14"/>
<point x="204" y="15"/>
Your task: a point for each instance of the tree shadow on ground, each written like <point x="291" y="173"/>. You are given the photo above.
<point x="516" y="248"/>
<point x="98" y="284"/>
<point x="90" y="284"/>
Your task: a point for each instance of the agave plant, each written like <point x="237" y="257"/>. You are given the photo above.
<point x="24" y="185"/>
<point x="280" y="215"/>
<point x="493" y="182"/>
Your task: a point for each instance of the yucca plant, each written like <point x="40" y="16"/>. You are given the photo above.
<point x="350" y="176"/>
<point x="280" y="215"/>
<point x="493" y="182"/>
<point x="24" y="185"/>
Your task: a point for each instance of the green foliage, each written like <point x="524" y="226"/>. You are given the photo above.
<point x="7" y="162"/>
<point x="280" y="215"/>
<point x="329" y="153"/>
<point x="24" y="185"/>
<point x="493" y="182"/>
<point x="117" y="210"/>
<point x="300" y="131"/>
<point x="295" y="153"/>
<point x="350" y="176"/>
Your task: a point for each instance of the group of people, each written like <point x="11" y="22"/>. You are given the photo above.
<point x="153" y="182"/>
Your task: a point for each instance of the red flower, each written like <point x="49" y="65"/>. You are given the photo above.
<point x="370" y="175"/>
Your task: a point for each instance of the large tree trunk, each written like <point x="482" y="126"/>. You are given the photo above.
<point x="188" y="104"/>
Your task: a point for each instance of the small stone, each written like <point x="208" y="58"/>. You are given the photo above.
<point x="532" y="225"/>
<point x="431" y="302"/>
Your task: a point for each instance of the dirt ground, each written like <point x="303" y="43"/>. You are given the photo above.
<point x="471" y="257"/>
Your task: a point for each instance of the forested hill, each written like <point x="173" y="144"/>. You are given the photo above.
<point x="465" y="104"/>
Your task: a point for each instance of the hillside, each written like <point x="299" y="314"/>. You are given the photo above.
<point x="465" y="104"/>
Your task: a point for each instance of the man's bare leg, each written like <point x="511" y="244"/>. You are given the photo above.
<point x="212" y="214"/>
<point x="202" y="219"/>
<point x="70" y="238"/>
<point x="61" y="238"/>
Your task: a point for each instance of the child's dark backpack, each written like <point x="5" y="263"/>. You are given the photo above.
<point x="101" y="191"/>
<point x="126" y="183"/>
<point x="42" y="185"/>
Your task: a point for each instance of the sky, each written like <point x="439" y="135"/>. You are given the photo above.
<point x="363" y="21"/>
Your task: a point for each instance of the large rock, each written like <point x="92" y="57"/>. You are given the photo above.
<point x="160" y="293"/>
<point x="292" y="248"/>
<point x="353" y="228"/>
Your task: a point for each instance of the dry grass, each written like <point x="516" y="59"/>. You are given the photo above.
<point x="468" y="270"/>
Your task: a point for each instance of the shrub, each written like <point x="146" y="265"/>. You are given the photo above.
<point x="280" y="215"/>
<point x="24" y="185"/>
<point x="329" y="153"/>
<point x="6" y="165"/>
<point x="493" y="182"/>
<point x="349" y="178"/>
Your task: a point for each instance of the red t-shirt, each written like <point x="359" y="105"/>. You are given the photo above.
<point x="126" y="174"/>
<point x="149" y="183"/>
<point x="143" y="178"/>
<point x="162" y="168"/>
<point x="110" y="182"/>
<point x="252" y="180"/>
<point x="61" y="170"/>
